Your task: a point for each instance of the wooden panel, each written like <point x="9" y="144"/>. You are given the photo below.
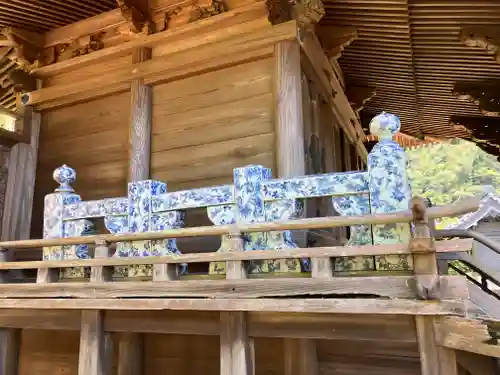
<point x="49" y="352"/>
<point x="205" y="126"/>
<point x="369" y="357"/>
<point x="90" y="137"/>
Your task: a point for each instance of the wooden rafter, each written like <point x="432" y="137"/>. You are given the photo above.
<point x="485" y="37"/>
<point x="485" y="94"/>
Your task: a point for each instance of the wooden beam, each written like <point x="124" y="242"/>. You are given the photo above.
<point x="448" y="246"/>
<point x="332" y="90"/>
<point x="484" y="37"/>
<point x="179" y="39"/>
<point x="453" y="288"/>
<point x="469" y="335"/>
<point x="364" y="328"/>
<point x="69" y="33"/>
<point x="323" y="306"/>
<point x="209" y="56"/>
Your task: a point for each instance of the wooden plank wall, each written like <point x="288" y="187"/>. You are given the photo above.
<point x="92" y="138"/>
<point x="187" y="354"/>
<point x="205" y="126"/>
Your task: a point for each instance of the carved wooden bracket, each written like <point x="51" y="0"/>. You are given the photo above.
<point x="22" y="81"/>
<point x="485" y="94"/>
<point x="27" y="47"/>
<point x="137" y="16"/>
<point x="335" y="38"/>
<point x="199" y="11"/>
<point x="359" y="95"/>
<point x="307" y="12"/>
<point x="485" y="37"/>
<point x="78" y="47"/>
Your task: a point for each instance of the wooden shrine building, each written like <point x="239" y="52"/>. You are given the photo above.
<point x="220" y="187"/>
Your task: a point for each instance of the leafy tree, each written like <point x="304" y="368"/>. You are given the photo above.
<point x="448" y="172"/>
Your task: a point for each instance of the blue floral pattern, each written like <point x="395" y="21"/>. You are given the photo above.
<point x="253" y="198"/>
<point x="389" y="189"/>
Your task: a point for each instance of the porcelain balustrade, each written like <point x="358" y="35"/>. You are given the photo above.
<point x="253" y="198"/>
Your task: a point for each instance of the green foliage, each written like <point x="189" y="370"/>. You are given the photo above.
<point x="448" y="172"/>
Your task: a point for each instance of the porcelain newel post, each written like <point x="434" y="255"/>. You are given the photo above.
<point x="389" y="188"/>
<point x="54" y="225"/>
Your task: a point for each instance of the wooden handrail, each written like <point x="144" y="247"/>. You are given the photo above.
<point x="463" y="207"/>
<point x="450" y="246"/>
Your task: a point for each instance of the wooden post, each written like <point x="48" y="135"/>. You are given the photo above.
<point x="18" y="202"/>
<point x="141" y="120"/>
<point x="434" y="359"/>
<point x="10" y="338"/>
<point x="130" y="349"/>
<point x="236" y="349"/>
<point x="288" y="98"/>
<point x="92" y="358"/>
<point x="290" y="153"/>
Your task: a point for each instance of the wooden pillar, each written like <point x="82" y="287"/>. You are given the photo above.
<point x="92" y="359"/>
<point x="21" y="169"/>
<point x="288" y="97"/>
<point x="130" y="347"/>
<point x="141" y="119"/>
<point x="236" y="348"/>
<point x="434" y="359"/>
<point x="290" y="157"/>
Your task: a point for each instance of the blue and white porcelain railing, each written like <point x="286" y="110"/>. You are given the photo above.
<point x="253" y="198"/>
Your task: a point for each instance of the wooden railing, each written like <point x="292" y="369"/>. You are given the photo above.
<point x="398" y="292"/>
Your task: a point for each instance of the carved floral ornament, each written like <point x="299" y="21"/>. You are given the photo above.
<point x="306" y="12"/>
<point x="26" y="47"/>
